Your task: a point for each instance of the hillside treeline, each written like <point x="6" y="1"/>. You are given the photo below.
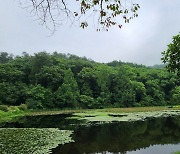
<point x="43" y="81"/>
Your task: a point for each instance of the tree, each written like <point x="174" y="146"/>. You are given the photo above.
<point x="172" y="55"/>
<point x="87" y="102"/>
<point x="5" y="57"/>
<point x="39" y="97"/>
<point x="123" y="94"/>
<point x="105" y="13"/>
<point x="50" y="77"/>
<point x="67" y="81"/>
<point x="10" y="73"/>
<point x="67" y="94"/>
<point x="140" y="91"/>
<point x="87" y="81"/>
<point x="176" y="96"/>
<point x="104" y="74"/>
<point x="12" y="93"/>
<point x="155" y="93"/>
<point x="40" y="60"/>
<point x="23" y="64"/>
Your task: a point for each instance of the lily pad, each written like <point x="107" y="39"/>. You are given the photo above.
<point x="114" y="117"/>
<point x="32" y="140"/>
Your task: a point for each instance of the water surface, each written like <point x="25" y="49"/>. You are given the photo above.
<point x="157" y="135"/>
<point x="153" y="136"/>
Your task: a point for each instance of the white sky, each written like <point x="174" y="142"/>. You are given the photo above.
<point x="141" y="41"/>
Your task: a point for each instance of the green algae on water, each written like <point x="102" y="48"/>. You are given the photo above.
<point x="32" y="140"/>
<point x="103" y="116"/>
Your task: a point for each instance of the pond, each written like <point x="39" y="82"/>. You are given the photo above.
<point x="154" y="135"/>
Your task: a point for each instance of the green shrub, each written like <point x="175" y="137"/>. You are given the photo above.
<point x="23" y="107"/>
<point x="175" y="100"/>
<point x="13" y="109"/>
<point x="4" y="108"/>
<point x="86" y="101"/>
<point x="138" y="105"/>
<point x="34" y="104"/>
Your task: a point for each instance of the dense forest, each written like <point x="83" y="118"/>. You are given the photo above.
<point x="44" y="81"/>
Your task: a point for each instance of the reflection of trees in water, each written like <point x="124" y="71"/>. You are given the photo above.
<point x="43" y="121"/>
<point x="115" y="137"/>
<point x="124" y="136"/>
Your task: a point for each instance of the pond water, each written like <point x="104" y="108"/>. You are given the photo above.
<point x="153" y="136"/>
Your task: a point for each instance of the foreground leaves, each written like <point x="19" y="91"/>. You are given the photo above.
<point x="32" y="140"/>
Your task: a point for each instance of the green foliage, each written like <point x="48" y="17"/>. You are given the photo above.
<point x="5" y="57"/>
<point x="86" y="101"/>
<point x="104" y="74"/>
<point x="13" y="109"/>
<point x="8" y="113"/>
<point x="38" y="97"/>
<point x="32" y="140"/>
<point x="87" y="81"/>
<point x="172" y="55"/>
<point x="56" y="80"/>
<point x="68" y="93"/>
<point x="22" y="107"/>
<point x="9" y="73"/>
<point x="176" y="96"/>
<point x="140" y="91"/>
<point x="40" y="60"/>
<point x="156" y="94"/>
<point x="50" y="77"/>
<point x="4" y="108"/>
<point x="123" y="94"/>
<point x="12" y="93"/>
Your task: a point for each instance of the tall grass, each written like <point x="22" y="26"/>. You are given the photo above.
<point x="10" y="113"/>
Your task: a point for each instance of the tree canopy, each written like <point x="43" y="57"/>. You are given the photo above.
<point x="44" y="81"/>
<point x="172" y="55"/>
<point x="102" y="13"/>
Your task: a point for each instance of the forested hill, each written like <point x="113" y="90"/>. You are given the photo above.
<point x="158" y="66"/>
<point x="68" y="81"/>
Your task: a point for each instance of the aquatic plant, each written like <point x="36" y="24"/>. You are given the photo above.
<point x="103" y="116"/>
<point x="32" y="140"/>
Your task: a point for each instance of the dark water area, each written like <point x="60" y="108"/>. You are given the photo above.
<point x="153" y="136"/>
<point x="60" y="121"/>
<point x="124" y="137"/>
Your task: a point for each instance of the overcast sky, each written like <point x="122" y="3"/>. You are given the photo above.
<point x="141" y="41"/>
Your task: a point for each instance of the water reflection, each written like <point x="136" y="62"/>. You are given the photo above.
<point x="156" y="136"/>
<point x="155" y="149"/>
<point x="158" y="149"/>
<point x="124" y="136"/>
<point x="60" y="121"/>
